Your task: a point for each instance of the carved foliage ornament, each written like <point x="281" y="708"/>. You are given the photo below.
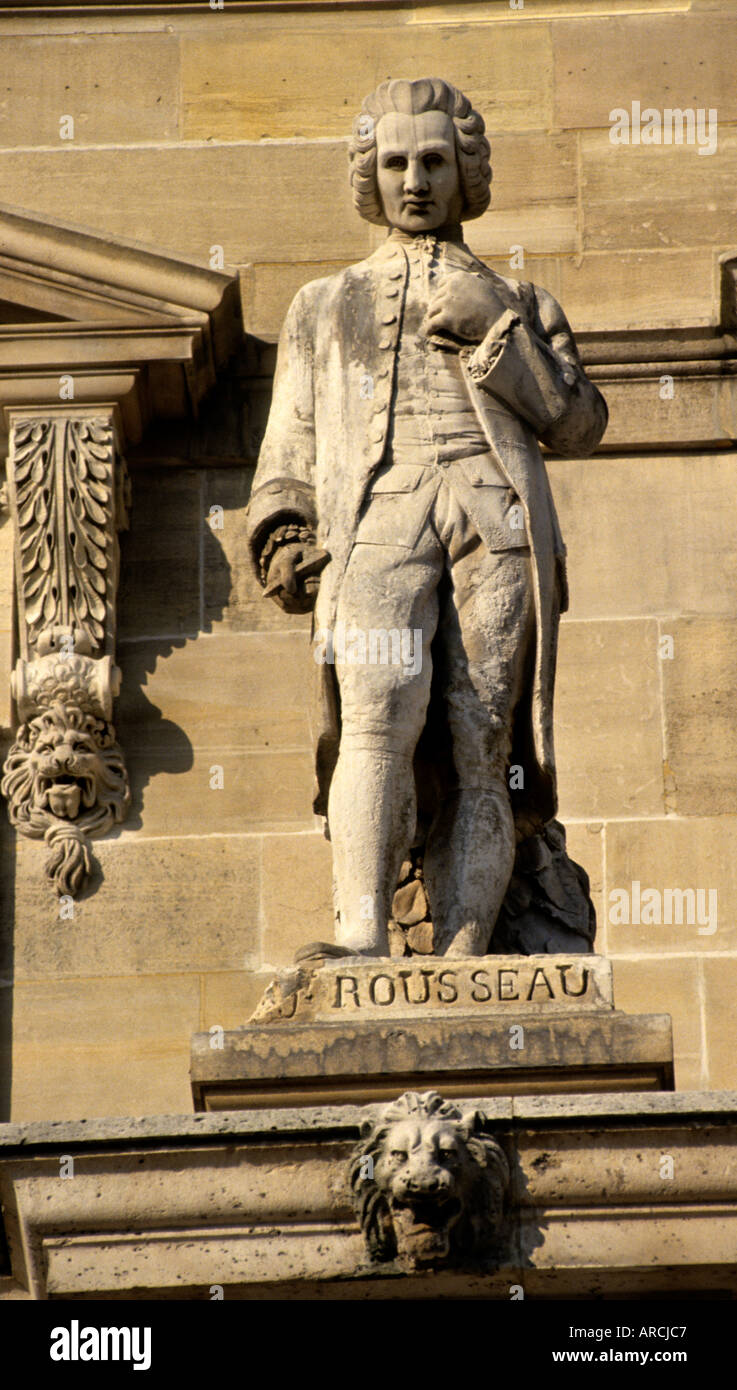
<point x="64" y="776"/>
<point x="63" y="477"/>
<point x="428" y="1185"/>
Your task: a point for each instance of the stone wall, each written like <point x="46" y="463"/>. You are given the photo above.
<point x="197" y="129"/>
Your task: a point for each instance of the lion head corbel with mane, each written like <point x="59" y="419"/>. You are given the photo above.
<point x="65" y="781"/>
<point x="429" y="1186"/>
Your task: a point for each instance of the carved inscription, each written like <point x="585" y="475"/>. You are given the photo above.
<point x="338" y="990"/>
<point x="461" y="985"/>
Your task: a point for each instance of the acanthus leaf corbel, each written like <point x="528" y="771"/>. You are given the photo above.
<point x="65" y="778"/>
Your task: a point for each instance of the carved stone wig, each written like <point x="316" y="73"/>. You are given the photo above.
<point x="412" y="98"/>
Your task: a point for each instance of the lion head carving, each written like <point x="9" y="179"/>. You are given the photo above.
<point x="65" y="780"/>
<point x="429" y="1186"/>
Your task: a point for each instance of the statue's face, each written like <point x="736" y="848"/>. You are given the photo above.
<point x="417" y="170"/>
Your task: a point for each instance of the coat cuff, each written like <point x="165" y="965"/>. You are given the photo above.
<point x="271" y="504"/>
<point x="514" y="365"/>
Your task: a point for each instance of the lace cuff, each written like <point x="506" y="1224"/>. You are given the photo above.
<point x="292" y="533"/>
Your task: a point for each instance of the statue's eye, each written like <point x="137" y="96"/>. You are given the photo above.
<point x="399" y="1155"/>
<point x="432" y="161"/>
<point x="395" y="161"/>
<point x="448" y="1155"/>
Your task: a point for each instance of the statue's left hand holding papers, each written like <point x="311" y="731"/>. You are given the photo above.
<point x="294" y="577"/>
<point x="463" y="310"/>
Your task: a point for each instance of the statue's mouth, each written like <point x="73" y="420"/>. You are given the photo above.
<point x="430" y="1214"/>
<point x="423" y="1228"/>
<point x="64" y="793"/>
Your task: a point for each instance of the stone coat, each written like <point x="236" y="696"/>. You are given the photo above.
<point x="327" y="431"/>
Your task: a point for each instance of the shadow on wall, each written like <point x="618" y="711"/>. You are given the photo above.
<point x="176" y="577"/>
<point x="7" y="900"/>
<point x="175" y="585"/>
<point x="529" y="1226"/>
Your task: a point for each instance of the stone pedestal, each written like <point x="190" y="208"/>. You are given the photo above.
<point x="355" y="1031"/>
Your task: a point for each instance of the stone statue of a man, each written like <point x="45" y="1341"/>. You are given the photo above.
<point x="401" y="484"/>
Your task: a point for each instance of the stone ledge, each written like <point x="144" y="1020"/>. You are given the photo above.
<point x="316" y="1063"/>
<point x="649" y="1108"/>
<point x="165" y="1206"/>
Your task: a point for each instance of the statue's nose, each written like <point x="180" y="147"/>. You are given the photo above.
<point x="423" y="1180"/>
<point x="415" y="180"/>
<point x="62" y="758"/>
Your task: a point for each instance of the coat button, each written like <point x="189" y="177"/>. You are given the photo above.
<point x="389" y="318"/>
<point x="569" y="378"/>
<point x="385" y="343"/>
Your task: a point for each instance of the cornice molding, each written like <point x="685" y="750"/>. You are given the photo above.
<point x="128" y="324"/>
<point x="183" y="7"/>
<point x="170" y="1205"/>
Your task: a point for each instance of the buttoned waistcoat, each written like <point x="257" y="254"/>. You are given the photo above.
<point x="330" y="412"/>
